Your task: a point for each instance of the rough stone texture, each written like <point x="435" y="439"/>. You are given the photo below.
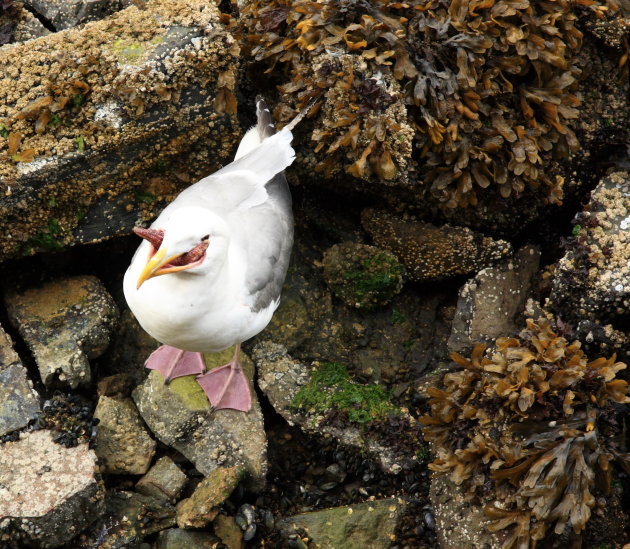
<point x="19" y="402"/>
<point x="122" y="441"/>
<point x="281" y="377"/>
<point x="591" y="281"/>
<point x="362" y="526"/>
<point x="395" y="344"/>
<point x="128" y="518"/>
<point x="229" y="531"/>
<point x="27" y="27"/>
<point x="202" y="506"/>
<point x="64" y="14"/>
<point x="64" y="323"/>
<point x="179" y="415"/>
<point x="108" y="122"/>
<point x="489" y="304"/>
<point x="433" y="253"/>
<point x="48" y="493"/>
<point x="176" y="538"/>
<point x="459" y="524"/>
<point x="164" y="480"/>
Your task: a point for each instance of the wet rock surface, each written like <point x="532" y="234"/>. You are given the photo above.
<point x="65" y="323"/>
<point x="493" y="302"/>
<point x="371" y="525"/>
<point x="65" y="14"/>
<point x="122" y="442"/>
<point x="164" y="480"/>
<point x="48" y="493"/>
<point x="77" y="168"/>
<point x="177" y="538"/>
<point x="179" y="414"/>
<point x="433" y="253"/>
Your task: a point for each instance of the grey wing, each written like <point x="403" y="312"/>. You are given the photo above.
<point x="266" y="233"/>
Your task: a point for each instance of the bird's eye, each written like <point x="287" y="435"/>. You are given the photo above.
<point x="207" y="237"/>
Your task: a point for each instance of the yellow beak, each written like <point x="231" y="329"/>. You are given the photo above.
<point x="155" y="266"/>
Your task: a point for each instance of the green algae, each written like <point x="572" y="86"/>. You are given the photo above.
<point x="330" y="388"/>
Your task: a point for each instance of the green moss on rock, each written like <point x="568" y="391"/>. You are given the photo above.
<point x="330" y="389"/>
<point x="362" y="276"/>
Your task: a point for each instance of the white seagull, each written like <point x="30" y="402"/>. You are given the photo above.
<point x="209" y="272"/>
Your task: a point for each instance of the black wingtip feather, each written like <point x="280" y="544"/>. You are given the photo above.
<point x="265" y="123"/>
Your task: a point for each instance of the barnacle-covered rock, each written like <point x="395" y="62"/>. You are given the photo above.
<point x="592" y="280"/>
<point x="433" y="253"/>
<point x="362" y="276"/>
<point x="489" y="88"/>
<point x="530" y="428"/>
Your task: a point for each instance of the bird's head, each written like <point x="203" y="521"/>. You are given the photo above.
<point x="186" y="241"/>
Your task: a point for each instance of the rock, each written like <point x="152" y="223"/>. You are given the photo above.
<point x="28" y="27"/>
<point x="64" y="323"/>
<point x="122" y="441"/>
<point x="229" y="531"/>
<point x="490" y="304"/>
<point x="202" y="506"/>
<point x="164" y="480"/>
<point x="179" y="414"/>
<point x="48" y="493"/>
<point x="362" y="276"/>
<point x="460" y="524"/>
<point x="118" y="385"/>
<point x="591" y="281"/>
<point x="432" y="253"/>
<point x="65" y="14"/>
<point x="281" y="377"/>
<point x="19" y="402"/>
<point x="130" y="348"/>
<point x="176" y="538"/>
<point x="128" y="518"/>
<point x="363" y="526"/>
<point x="105" y="119"/>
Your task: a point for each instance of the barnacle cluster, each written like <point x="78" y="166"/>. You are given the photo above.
<point x="481" y="93"/>
<point x="533" y="426"/>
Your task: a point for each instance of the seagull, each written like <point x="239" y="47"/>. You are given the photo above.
<point x="209" y="271"/>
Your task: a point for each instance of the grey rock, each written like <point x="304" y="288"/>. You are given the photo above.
<point x="363" y="526"/>
<point x="489" y="305"/>
<point x="128" y="518"/>
<point x="176" y="538"/>
<point x="591" y="281"/>
<point x="281" y="377"/>
<point x="102" y="151"/>
<point x="433" y="253"/>
<point x="48" y="493"/>
<point x="64" y="323"/>
<point x="19" y="403"/>
<point x="179" y="414"/>
<point x="122" y="441"/>
<point x="28" y="27"/>
<point x="202" y="506"/>
<point x="164" y="480"/>
<point x="65" y="14"/>
<point x="459" y="523"/>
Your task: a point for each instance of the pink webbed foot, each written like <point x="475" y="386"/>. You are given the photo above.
<point x="173" y="363"/>
<point x="227" y="387"/>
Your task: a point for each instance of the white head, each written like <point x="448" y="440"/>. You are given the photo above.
<point x="190" y="241"/>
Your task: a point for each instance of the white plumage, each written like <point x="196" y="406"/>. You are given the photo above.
<point x="240" y="219"/>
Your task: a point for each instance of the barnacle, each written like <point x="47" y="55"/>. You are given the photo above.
<point x="478" y="92"/>
<point x="533" y="424"/>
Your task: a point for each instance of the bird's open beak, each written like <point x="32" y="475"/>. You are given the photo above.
<point x="157" y="265"/>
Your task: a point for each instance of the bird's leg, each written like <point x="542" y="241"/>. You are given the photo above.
<point x="172" y="362"/>
<point x="227" y="386"/>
